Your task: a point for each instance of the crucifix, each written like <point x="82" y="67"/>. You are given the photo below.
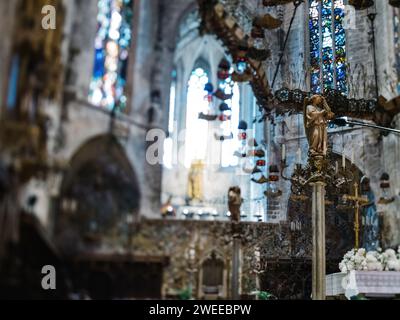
<point x="359" y="202"/>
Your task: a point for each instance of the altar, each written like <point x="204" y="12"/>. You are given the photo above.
<point x="371" y="284"/>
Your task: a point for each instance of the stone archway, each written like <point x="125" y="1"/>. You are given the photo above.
<point x="99" y="196"/>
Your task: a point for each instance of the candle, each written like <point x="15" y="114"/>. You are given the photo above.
<point x="299" y="156"/>
<point x="283" y="152"/>
<point x="343" y="161"/>
<point x="337" y="167"/>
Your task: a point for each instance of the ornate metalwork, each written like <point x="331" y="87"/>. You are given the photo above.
<point x="317" y="169"/>
<point x="382" y="112"/>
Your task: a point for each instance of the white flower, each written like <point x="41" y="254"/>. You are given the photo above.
<point x="361" y="252"/>
<point x="393" y="265"/>
<point x="371" y="257"/>
<point x="390" y="253"/>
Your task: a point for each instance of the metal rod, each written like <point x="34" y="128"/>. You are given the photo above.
<point x="363" y="124"/>
<point x="372" y="17"/>
<point x="296" y="3"/>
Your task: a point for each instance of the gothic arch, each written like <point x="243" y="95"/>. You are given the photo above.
<point x="213" y="258"/>
<point x="99" y="192"/>
<point x="191" y="7"/>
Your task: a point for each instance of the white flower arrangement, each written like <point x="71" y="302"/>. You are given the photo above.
<point x="361" y="260"/>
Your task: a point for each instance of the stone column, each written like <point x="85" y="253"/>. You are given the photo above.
<point x="235" y="268"/>
<point x="318" y="227"/>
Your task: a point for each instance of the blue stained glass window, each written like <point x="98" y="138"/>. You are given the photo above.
<point x="327" y="46"/>
<point x="112" y="43"/>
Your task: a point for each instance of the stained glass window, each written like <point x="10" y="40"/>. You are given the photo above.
<point x="327" y="46"/>
<point x="112" y="43"/>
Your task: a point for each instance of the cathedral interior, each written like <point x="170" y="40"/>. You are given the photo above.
<point x="154" y="149"/>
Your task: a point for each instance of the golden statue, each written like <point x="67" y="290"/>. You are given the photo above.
<point x="317" y="113"/>
<point x="195" y="185"/>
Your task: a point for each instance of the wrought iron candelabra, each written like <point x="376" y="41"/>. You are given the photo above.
<point x="338" y="178"/>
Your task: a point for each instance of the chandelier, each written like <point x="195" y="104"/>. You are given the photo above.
<point x="337" y="178"/>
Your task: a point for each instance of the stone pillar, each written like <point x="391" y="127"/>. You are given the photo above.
<point x="318" y="257"/>
<point x="235" y="268"/>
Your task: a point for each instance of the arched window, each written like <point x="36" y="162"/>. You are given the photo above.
<point x="196" y="129"/>
<point x="112" y="43"/>
<point x="327" y="45"/>
<point x="213" y="275"/>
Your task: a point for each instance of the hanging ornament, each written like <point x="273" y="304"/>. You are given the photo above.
<point x="239" y="154"/>
<point x="361" y="4"/>
<point x="224" y="117"/>
<point x="208" y="117"/>
<point x="385" y="186"/>
<point x="262" y="180"/>
<point x="223" y="69"/>
<point x="243" y="125"/>
<point x="261" y="163"/>
<point x="256" y="153"/>
<point x="248" y="166"/>
<point x="253" y="170"/>
<point x="209" y="88"/>
<point x="253" y="143"/>
<point x="256" y="170"/>
<point x="220" y="94"/>
<point x="273" y="173"/>
<point x="242" y="135"/>
<point x="223" y="137"/>
<point x="223" y="107"/>
<point x="273" y="191"/>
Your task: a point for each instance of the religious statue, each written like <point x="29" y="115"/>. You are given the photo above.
<point x="234" y="203"/>
<point x="195" y="183"/>
<point x="317" y="113"/>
